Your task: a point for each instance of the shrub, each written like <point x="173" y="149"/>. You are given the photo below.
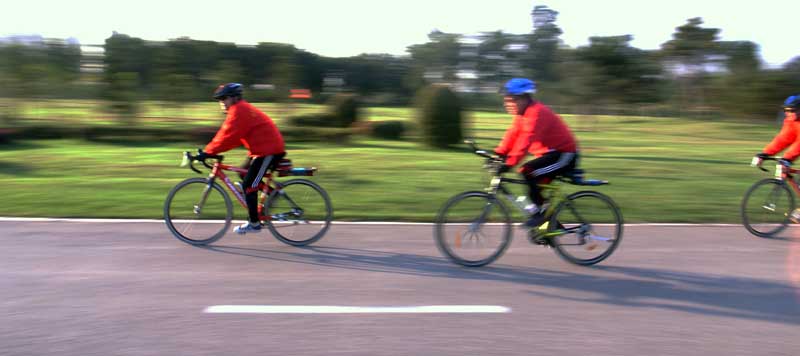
<point x="345" y="108"/>
<point x="6" y="135"/>
<point x="439" y="116"/>
<point x="389" y="130"/>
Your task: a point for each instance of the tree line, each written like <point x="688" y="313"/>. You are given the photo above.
<point x="694" y="70"/>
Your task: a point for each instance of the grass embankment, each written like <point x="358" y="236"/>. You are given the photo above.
<point x="661" y="169"/>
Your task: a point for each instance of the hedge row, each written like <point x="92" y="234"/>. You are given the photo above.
<point x="142" y="134"/>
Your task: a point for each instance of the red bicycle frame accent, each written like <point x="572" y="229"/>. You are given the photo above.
<point x="218" y="171"/>
<point x="786" y="174"/>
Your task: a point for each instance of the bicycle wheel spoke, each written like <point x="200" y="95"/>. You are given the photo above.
<point x="198" y="213"/>
<point x="472" y="239"/>
<point x="587" y="218"/>
<point x="300" y="212"/>
<point x="601" y="238"/>
<point x="766" y="207"/>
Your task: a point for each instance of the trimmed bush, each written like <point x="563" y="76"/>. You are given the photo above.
<point x="439" y="116"/>
<point x="345" y="108"/>
<point x="389" y="130"/>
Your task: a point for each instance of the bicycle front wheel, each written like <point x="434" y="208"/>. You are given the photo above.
<point x="473" y="229"/>
<point x="766" y="207"/>
<point x="198" y="213"/>
<point x="588" y="228"/>
<point x="299" y="212"/>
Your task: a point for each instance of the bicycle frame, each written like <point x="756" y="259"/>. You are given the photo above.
<point x="552" y="191"/>
<point x="218" y="172"/>
<point x="782" y="172"/>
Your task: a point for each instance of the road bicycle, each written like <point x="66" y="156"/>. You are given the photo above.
<point x="199" y="211"/>
<point x="768" y="205"/>
<point x="474" y="228"/>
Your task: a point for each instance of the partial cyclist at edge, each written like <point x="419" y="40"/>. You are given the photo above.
<point x="538" y="131"/>
<point x="787" y="139"/>
<point x="246" y="125"/>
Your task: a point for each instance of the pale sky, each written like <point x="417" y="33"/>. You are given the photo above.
<point x="350" y="27"/>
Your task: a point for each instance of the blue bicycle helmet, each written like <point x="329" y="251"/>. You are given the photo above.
<point x="519" y="86"/>
<point x="225" y="90"/>
<point x="792" y="102"/>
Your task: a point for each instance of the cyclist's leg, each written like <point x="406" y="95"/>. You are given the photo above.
<point x="245" y="165"/>
<point x="541" y="170"/>
<point x="255" y="172"/>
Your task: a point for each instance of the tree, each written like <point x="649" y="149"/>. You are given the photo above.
<point x="495" y="61"/>
<point x="543" y="43"/>
<point x="435" y="61"/>
<point x="740" y="57"/>
<point x="624" y="74"/>
<point x="690" y="52"/>
<point x="126" y="54"/>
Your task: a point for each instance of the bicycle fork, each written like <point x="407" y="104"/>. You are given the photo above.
<point x="475" y="226"/>
<point x="198" y="208"/>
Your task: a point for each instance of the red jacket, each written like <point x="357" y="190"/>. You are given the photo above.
<point x="248" y="126"/>
<point x="537" y="132"/>
<point x="788" y="137"/>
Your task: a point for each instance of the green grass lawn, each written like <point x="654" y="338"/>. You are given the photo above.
<point x="661" y="169"/>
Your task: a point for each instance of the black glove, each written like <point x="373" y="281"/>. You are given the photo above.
<point x="762" y="155"/>
<point x="785" y="162"/>
<point x="201" y="156"/>
<point x="504" y="168"/>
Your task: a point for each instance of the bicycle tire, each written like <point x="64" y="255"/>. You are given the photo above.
<point x="184" y="219"/>
<point x="317" y="223"/>
<point x="612" y="229"/>
<point x="781" y="217"/>
<point x="442" y="232"/>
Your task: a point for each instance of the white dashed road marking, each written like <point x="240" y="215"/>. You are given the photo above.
<point x="333" y="309"/>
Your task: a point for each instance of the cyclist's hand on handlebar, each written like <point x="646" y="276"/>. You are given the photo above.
<point x="758" y="159"/>
<point x="201" y="156"/>
<point x="785" y="162"/>
<point x="504" y="168"/>
<point x="494" y="160"/>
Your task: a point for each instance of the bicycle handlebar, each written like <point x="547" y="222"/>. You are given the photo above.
<point x="478" y="151"/>
<point x="188" y="160"/>
<point x="494" y="163"/>
<point x="757" y="161"/>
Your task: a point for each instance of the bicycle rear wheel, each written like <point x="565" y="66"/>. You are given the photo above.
<point x="473" y="229"/>
<point x="766" y="207"/>
<point x="300" y="212"/>
<point x="590" y="226"/>
<point x="198" y="213"/>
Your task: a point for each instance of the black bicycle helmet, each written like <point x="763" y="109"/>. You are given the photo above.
<point x="225" y="90"/>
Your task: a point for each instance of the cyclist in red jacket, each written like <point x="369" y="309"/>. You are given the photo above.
<point x="787" y="139"/>
<point x="543" y="134"/>
<point x="248" y="126"/>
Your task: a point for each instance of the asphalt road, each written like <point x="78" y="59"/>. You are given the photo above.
<point x="88" y="288"/>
